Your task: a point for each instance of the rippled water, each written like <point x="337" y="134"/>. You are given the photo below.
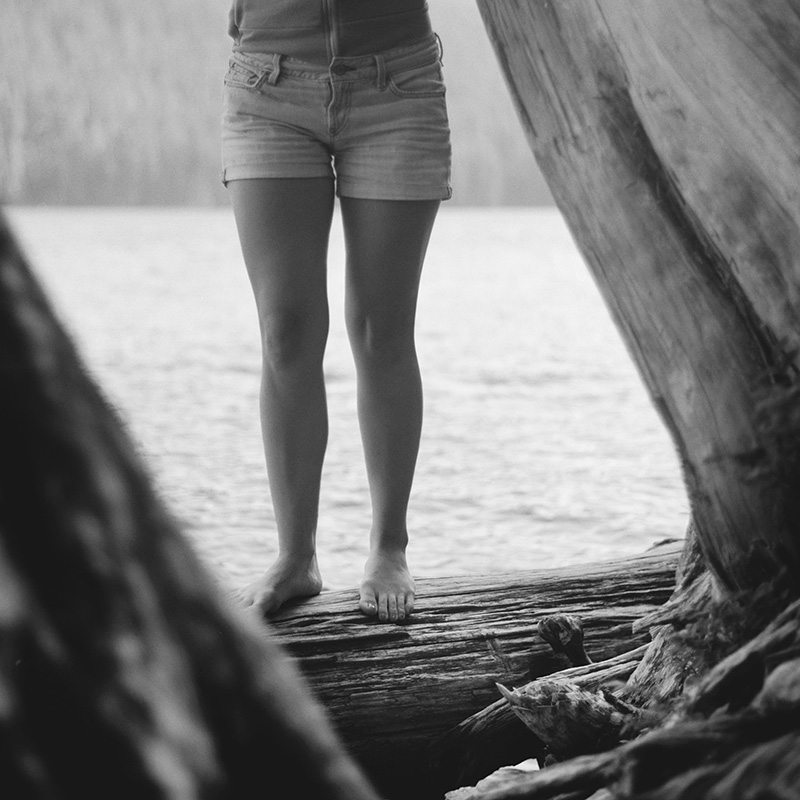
<point x="540" y="446"/>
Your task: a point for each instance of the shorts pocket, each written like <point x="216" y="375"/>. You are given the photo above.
<point x="423" y="81"/>
<point x="244" y="75"/>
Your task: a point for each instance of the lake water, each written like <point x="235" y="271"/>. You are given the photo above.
<point x="540" y="446"/>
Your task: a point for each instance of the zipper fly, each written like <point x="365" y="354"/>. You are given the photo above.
<point x="332" y="27"/>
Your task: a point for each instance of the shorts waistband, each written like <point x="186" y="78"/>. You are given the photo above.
<point x="344" y="68"/>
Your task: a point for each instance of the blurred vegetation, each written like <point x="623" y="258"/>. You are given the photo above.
<point x="118" y="102"/>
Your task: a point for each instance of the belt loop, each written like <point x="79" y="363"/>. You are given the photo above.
<point x="441" y="47"/>
<point x="276" y="69"/>
<point x="380" y="64"/>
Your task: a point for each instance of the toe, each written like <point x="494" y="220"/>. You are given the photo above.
<point x="383" y="608"/>
<point x="368" y="603"/>
<point x="409" y="604"/>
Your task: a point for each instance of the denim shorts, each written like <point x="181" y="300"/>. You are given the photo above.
<point x="377" y="124"/>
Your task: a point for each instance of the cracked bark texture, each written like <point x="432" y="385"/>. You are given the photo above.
<point x="668" y="135"/>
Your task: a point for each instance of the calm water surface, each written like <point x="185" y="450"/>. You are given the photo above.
<point x="540" y="446"/>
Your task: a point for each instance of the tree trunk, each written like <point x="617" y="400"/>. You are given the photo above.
<point x="668" y="135"/>
<point x="392" y="690"/>
<point x="122" y="672"/>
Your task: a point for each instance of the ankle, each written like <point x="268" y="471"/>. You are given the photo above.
<point x="297" y="558"/>
<point x="388" y="546"/>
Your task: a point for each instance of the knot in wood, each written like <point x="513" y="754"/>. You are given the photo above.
<point x="564" y="633"/>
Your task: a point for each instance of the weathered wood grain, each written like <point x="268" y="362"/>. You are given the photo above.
<point x="668" y="135"/>
<point x="392" y="690"/>
<point x="738" y="736"/>
<point x="493" y="737"/>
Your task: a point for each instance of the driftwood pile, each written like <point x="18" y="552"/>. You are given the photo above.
<point x="684" y="725"/>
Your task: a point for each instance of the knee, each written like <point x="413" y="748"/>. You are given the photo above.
<point x="293" y="338"/>
<point x="381" y="343"/>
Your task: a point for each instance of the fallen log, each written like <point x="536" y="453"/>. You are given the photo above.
<point x="393" y="690"/>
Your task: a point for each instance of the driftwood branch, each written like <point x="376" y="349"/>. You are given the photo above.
<point x="569" y="720"/>
<point x="495" y="737"/>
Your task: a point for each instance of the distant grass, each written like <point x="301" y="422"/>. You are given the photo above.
<point x="111" y="101"/>
<point x="118" y="102"/>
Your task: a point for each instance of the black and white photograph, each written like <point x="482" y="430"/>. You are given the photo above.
<point x="399" y="399"/>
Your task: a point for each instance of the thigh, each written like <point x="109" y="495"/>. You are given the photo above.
<point x="284" y="227"/>
<point x="386" y="242"/>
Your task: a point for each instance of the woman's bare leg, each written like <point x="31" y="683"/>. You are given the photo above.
<point x="284" y="226"/>
<point x="386" y="243"/>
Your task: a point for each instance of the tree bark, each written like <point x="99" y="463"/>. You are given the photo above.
<point x="123" y="674"/>
<point x="393" y="690"/>
<point x="668" y="135"/>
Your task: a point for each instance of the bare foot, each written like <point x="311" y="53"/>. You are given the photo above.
<point x="287" y="579"/>
<point x="387" y="589"/>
